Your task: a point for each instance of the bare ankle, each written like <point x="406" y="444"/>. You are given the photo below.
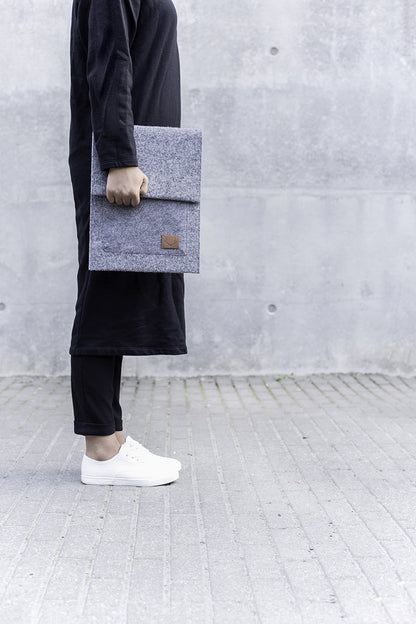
<point x="102" y="448"/>
<point x="120" y="437"/>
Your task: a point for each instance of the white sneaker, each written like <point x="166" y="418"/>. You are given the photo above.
<point x="128" y="468"/>
<point x="143" y="451"/>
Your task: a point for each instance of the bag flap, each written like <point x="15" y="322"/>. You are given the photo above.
<point x="171" y="159"/>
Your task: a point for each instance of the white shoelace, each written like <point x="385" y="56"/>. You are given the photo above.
<point x="143" y="453"/>
<point x="138" y="448"/>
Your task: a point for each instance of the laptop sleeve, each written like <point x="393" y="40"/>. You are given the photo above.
<point x="162" y="233"/>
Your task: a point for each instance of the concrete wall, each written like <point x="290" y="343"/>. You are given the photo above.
<point x="308" y="210"/>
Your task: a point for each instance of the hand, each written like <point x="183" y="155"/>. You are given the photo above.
<point x="125" y="184"/>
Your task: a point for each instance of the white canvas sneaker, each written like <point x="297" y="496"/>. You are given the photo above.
<point x="128" y="468"/>
<point x="142" y="450"/>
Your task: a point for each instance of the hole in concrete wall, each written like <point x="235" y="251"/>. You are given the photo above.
<point x="2" y="306"/>
<point x="272" y="309"/>
<point x="274" y="50"/>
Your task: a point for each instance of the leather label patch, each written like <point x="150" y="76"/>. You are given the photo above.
<point x="170" y="242"/>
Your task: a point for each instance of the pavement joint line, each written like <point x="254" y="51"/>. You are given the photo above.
<point x="149" y="414"/>
<point x="18" y="498"/>
<point x="351" y="389"/>
<point x="391" y="436"/>
<point x="390" y="384"/>
<point x="363" y="519"/>
<point x="225" y="497"/>
<point x="32" y="439"/>
<point x="336" y="388"/>
<point x="23" y="451"/>
<point x="36" y="608"/>
<point x="302" y="389"/>
<point x="363" y="386"/>
<point x="250" y="481"/>
<point x="206" y="580"/>
<point x="404" y="381"/>
<point x="7" y="577"/>
<point x="166" y="518"/>
<point x="278" y="480"/>
<point x="333" y="453"/>
<point x="18" y="390"/>
<point x="395" y="520"/>
<point x="124" y="597"/>
<point x="83" y="593"/>
<point x="344" y="611"/>
<point x="382" y="391"/>
<point x="284" y="384"/>
<point x="166" y="551"/>
<point x="168" y="419"/>
<point x="364" y="433"/>
<point x="127" y="412"/>
<point x="282" y="407"/>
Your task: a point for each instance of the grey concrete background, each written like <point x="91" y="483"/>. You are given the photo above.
<point x="308" y="204"/>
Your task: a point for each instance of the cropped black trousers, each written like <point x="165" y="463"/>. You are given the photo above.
<point x="95" y="385"/>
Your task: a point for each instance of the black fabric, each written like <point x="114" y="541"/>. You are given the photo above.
<point x="95" y="385"/>
<point x="124" y="71"/>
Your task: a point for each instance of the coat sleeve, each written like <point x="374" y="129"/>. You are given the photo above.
<point x="112" y="25"/>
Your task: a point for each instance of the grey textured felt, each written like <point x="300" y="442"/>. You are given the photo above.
<point x="129" y="239"/>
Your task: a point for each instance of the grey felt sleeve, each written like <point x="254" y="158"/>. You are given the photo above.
<point x="130" y="239"/>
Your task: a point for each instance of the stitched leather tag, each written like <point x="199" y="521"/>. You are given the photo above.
<point x="170" y="242"/>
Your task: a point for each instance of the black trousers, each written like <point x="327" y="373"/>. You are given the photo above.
<point x="95" y="385"/>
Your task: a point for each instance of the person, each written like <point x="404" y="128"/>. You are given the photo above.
<point x="124" y="71"/>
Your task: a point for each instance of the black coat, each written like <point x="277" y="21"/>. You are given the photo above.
<point x="124" y="71"/>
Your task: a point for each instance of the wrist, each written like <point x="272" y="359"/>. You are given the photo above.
<point x="121" y="168"/>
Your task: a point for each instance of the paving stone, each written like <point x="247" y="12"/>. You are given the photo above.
<point x="59" y="610"/>
<point x="296" y="502"/>
<point x="190" y="603"/>
<point x="235" y="612"/>
<point x="276" y="602"/>
<point x="104" y="599"/>
<point x="67" y="579"/>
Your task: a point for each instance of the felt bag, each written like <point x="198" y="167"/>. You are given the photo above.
<point x="161" y="234"/>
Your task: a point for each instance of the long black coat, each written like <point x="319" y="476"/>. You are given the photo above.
<point x="124" y="71"/>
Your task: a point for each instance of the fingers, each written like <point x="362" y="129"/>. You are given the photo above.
<point x="124" y="186"/>
<point x="124" y="200"/>
<point x="119" y="199"/>
<point x="145" y="185"/>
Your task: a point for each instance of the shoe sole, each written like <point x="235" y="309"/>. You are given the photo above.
<point x="90" y="480"/>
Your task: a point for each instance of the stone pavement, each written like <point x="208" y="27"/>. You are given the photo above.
<point x="296" y="503"/>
